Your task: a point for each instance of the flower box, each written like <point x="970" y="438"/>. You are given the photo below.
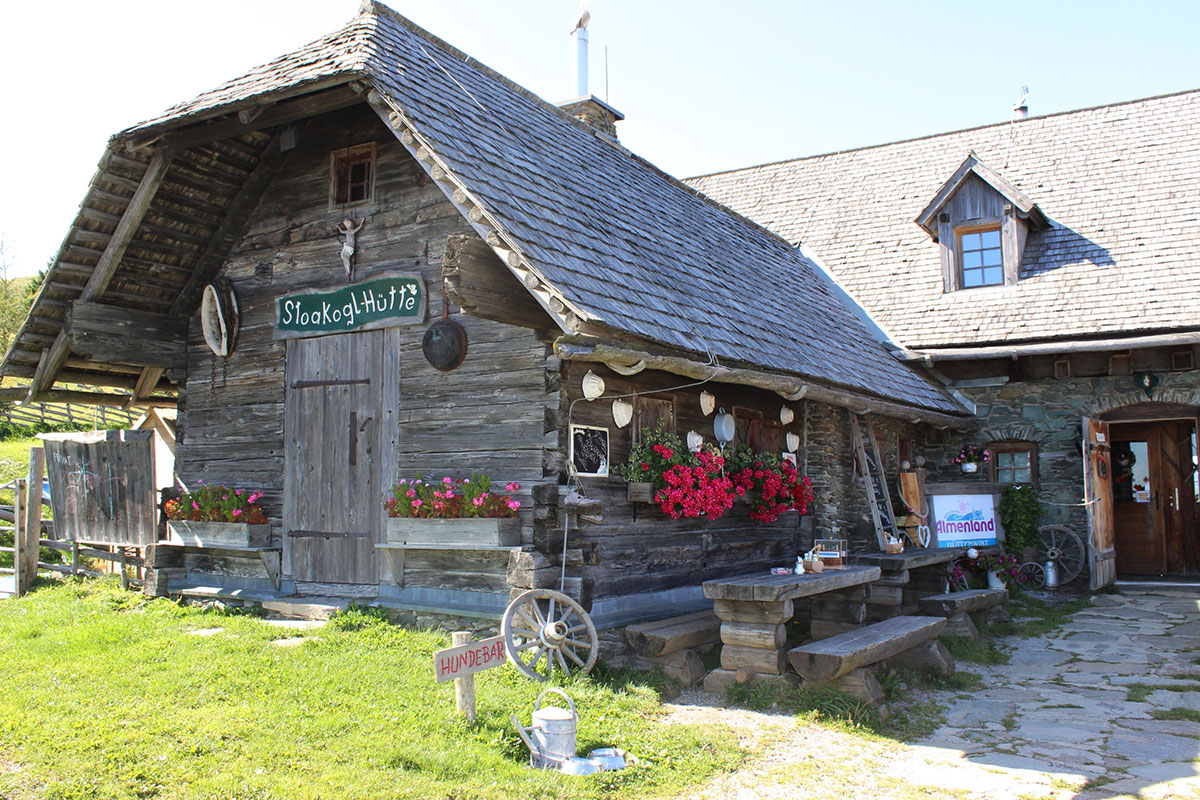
<point x="640" y="492"/>
<point x="481" y="532"/>
<point x="218" y="534"/>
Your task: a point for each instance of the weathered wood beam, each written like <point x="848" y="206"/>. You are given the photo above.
<point x="208" y="264"/>
<point x="478" y="282"/>
<point x="17" y="393"/>
<point x="282" y="113"/>
<point x="1015" y="351"/>
<point x="573" y="348"/>
<point x="118" y="334"/>
<point x="146" y="384"/>
<point x="106" y="266"/>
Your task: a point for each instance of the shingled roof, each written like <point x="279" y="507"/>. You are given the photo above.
<point x="605" y="241"/>
<point x="1117" y="182"/>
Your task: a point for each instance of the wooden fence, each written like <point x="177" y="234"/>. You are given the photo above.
<point x="65" y="413"/>
<point x="31" y="533"/>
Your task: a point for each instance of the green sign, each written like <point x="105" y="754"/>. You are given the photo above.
<point x="382" y="302"/>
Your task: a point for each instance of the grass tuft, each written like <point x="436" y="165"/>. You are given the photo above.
<point x="1034" y="616"/>
<point x="1184" y="714"/>
<point x="964" y="648"/>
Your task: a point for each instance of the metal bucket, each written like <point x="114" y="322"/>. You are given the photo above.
<point x="552" y="732"/>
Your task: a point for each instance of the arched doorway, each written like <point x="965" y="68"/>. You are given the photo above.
<point x="1155" y="489"/>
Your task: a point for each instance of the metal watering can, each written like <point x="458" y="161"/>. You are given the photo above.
<point x="553" y="732"/>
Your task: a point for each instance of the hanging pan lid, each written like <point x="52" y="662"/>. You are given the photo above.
<point x="219" y="318"/>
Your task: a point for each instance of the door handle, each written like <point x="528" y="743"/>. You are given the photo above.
<point x="353" y="438"/>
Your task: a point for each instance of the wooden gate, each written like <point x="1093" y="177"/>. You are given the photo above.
<point x="340" y="430"/>
<point x="1097" y="493"/>
<point x="102" y="486"/>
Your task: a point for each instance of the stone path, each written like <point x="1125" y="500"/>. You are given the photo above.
<point x="1071" y="716"/>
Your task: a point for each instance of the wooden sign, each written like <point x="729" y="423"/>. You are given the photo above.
<point x="382" y="302"/>
<point x="467" y="659"/>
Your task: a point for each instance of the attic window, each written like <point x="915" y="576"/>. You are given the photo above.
<point x="351" y="176"/>
<point x="980" y="257"/>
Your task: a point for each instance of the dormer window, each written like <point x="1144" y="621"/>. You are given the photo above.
<point x="351" y="176"/>
<point x="980" y="257"/>
<point x="979" y="222"/>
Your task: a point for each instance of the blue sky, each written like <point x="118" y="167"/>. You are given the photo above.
<point x="705" y="85"/>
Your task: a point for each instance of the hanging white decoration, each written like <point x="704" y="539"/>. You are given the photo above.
<point x="622" y="412"/>
<point x="786" y="415"/>
<point x="708" y="402"/>
<point x="219" y="318"/>
<point x="723" y="427"/>
<point x="793" y="442"/>
<point x="593" y="385"/>
<point x="694" y="441"/>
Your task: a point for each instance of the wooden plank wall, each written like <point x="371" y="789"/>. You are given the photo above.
<point x="486" y="416"/>
<point x="102" y="485"/>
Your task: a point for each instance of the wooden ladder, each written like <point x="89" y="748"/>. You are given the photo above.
<point x="870" y="467"/>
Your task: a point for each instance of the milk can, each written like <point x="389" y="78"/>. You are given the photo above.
<point x="1051" y="574"/>
<point x="552" y="731"/>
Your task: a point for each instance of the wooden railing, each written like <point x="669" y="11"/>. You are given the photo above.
<point x="65" y="413"/>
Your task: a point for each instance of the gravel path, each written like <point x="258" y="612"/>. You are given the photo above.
<point x="1071" y="716"/>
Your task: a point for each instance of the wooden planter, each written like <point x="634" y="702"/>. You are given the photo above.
<point x="638" y="492"/>
<point x="491" y="532"/>
<point x="219" y="534"/>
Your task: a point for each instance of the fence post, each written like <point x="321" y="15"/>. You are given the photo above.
<point x="33" y="508"/>
<point x="74" y="556"/>
<point x="20" y="581"/>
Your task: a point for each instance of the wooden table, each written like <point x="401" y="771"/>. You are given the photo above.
<point x="754" y="608"/>
<point x="909" y="576"/>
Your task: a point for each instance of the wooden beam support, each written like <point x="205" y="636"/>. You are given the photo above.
<point x="230" y="230"/>
<point x="577" y="348"/>
<point x="107" y="333"/>
<point x="147" y="382"/>
<point x="53" y="358"/>
<point x="478" y="282"/>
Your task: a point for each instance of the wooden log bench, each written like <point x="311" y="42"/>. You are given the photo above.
<point x="842" y="660"/>
<point x="956" y="606"/>
<point x="673" y="644"/>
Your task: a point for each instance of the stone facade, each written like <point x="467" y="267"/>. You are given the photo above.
<point x="1049" y="412"/>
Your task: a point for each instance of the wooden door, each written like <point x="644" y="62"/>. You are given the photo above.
<point x="1098" y="496"/>
<point x="340" y="459"/>
<point x="1154" y="493"/>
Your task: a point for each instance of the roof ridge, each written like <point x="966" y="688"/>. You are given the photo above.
<point x="880" y="145"/>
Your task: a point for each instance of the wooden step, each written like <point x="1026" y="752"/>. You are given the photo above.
<point x="947" y="605"/>
<point x="833" y="657"/>
<point x="665" y="636"/>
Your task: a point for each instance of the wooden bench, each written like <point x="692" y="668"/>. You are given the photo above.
<point x="955" y="606"/>
<point x="671" y="644"/>
<point x="843" y="660"/>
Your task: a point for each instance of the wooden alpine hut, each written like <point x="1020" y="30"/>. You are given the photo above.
<point x="374" y="258"/>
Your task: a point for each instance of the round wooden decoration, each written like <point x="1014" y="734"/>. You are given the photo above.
<point x="445" y="345"/>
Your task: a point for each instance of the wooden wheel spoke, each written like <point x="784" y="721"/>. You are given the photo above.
<point x="571" y="655"/>
<point x="541" y="651"/>
<point x="576" y="629"/>
<point x="528" y="634"/>
<point x="531" y="643"/>
<point x="578" y="643"/>
<point x="562" y="662"/>
<point x="532" y="623"/>
<point x="537" y="612"/>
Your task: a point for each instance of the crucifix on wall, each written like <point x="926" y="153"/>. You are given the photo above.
<point x="349" y="228"/>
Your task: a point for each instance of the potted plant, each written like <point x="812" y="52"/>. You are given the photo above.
<point x="970" y="458"/>
<point x="453" y="512"/>
<point x="1019" y="510"/>
<point x="1002" y="570"/>
<point x="769" y="484"/>
<point x="655" y="453"/>
<point x="218" y="516"/>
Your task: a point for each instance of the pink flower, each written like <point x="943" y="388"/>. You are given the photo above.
<point x="514" y="504"/>
<point x="417" y="504"/>
<point x="237" y="512"/>
<point x="478" y="501"/>
<point x="238" y="492"/>
<point x="195" y="505"/>
<point x="410" y="493"/>
<point x="512" y="487"/>
<point x="447" y="479"/>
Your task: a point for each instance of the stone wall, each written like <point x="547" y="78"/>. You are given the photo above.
<point x="1049" y="412"/>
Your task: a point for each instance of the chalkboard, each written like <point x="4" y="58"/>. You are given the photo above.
<point x="589" y="450"/>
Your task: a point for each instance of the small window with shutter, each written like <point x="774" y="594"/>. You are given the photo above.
<point x="351" y="176"/>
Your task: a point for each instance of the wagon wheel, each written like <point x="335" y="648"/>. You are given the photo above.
<point x="545" y="630"/>
<point x="1063" y="545"/>
<point x="1035" y="575"/>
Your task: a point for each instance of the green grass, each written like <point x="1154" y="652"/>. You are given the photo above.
<point x="823" y="704"/>
<point x="1137" y="692"/>
<point x="1035" y="617"/>
<point x="110" y="696"/>
<point x="964" y="648"/>
<point x="1185" y="714"/>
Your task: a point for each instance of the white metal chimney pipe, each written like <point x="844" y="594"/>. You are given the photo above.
<point x="581" y="62"/>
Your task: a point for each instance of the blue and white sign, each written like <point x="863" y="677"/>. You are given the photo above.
<point x="965" y="520"/>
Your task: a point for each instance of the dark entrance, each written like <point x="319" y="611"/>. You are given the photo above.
<point x="1154" y="487"/>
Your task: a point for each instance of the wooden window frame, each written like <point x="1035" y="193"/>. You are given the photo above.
<point x="1013" y="446"/>
<point x="1182" y="360"/>
<point x="981" y="227"/>
<point x="642" y="404"/>
<point x="341" y="162"/>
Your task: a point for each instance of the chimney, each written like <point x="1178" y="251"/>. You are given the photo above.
<point x="1021" y="108"/>
<point x="585" y="106"/>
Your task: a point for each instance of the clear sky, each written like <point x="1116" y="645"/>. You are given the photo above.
<point x="705" y="85"/>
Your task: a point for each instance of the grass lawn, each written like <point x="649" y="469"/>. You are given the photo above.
<point x="111" y="695"/>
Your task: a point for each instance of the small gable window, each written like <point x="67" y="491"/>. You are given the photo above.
<point x="980" y="257"/>
<point x="351" y="176"/>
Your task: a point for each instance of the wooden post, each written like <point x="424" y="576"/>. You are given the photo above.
<point x="464" y="687"/>
<point x="121" y="566"/>
<point x="21" y="581"/>
<point x="74" y="557"/>
<point x="33" y="507"/>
